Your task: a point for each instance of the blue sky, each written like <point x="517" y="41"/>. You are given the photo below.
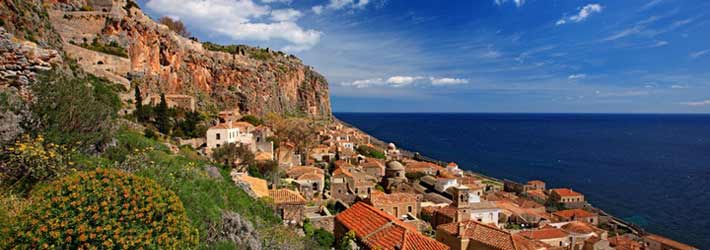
<point x="479" y="56"/>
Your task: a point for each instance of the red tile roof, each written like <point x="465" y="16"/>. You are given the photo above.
<point x="285" y="196"/>
<point x="622" y="242"/>
<point x="245" y="126"/>
<point x="296" y="172"/>
<point x="544" y="234"/>
<point x="487" y="235"/>
<point x="563" y="192"/>
<point x="574" y="213"/>
<point x="578" y="227"/>
<point x="377" y="229"/>
<point x="380" y="198"/>
<point x="669" y="242"/>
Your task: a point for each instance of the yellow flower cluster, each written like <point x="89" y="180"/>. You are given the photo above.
<point x="104" y="209"/>
<point x="34" y="159"/>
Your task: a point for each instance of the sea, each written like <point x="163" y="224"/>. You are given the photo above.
<point x="649" y="169"/>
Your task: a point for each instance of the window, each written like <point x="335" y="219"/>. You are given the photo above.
<point x="217" y="136"/>
<point x="409" y="209"/>
<point x="218" y="145"/>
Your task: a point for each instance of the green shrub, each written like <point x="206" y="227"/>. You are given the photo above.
<point x="104" y="209"/>
<point x="31" y="160"/>
<point x="111" y="48"/>
<point x="370" y="152"/>
<point x="253" y="120"/>
<point x="205" y="198"/>
<point x="75" y="110"/>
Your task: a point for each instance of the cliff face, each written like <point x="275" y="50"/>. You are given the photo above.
<point x="256" y="81"/>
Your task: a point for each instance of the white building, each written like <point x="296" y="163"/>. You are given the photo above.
<point x="453" y="168"/>
<point x="442" y="184"/>
<point x="230" y="132"/>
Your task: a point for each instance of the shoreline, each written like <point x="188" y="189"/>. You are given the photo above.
<point x="631" y="227"/>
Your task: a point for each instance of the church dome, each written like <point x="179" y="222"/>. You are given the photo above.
<point x="395" y="166"/>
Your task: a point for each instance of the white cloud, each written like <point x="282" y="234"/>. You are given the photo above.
<point x="698" y="103"/>
<point x="577" y="76"/>
<point x="241" y="20"/>
<point x="651" y="4"/>
<point x="341" y="4"/>
<point x="277" y="1"/>
<point x="699" y="53"/>
<point x="447" y="81"/>
<point x="283" y="15"/>
<point x="584" y="13"/>
<point x="318" y="9"/>
<point x="676" y="86"/>
<point x="518" y="3"/>
<point x="404" y="81"/>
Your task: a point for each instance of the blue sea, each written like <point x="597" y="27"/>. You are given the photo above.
<point x="653" y="170"/>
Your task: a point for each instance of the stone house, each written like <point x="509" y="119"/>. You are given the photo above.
<point x="310" y="185"/>
<point x="289" y="204"/>
<point x="373" y="167"/>
<point x="185" y="102"/>
<point x="576" y="215"/>
<point x="347" y="184"/>
<point x="657" y="242"/>
<point x="229" y="132"/>
<point x="465" y="207"/>
<point x="567" y="197"/>
<point x="396" y="204"/>
<point x="375" y="229"/>
<point x="552" y="236"/>
<point x="395" y="179"/>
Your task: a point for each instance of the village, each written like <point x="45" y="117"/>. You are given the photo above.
<point x="375" y="196"/>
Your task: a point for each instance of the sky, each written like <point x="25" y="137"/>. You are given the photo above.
<point x="570" y="56"/>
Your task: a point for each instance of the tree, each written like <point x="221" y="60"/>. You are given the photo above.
<point x="233" y="155"/>
<point x="175" y="25"/>
<point x="140" y="115"/>
<point x="162" y="119"/>
<point x="75" y="110"/>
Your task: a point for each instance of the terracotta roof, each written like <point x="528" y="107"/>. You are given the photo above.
<point x="578" y="227"/>
<point x="544" y="234"/>
<point x="669" y="242"/>
<point x="296" y="172"/>
<point x="565" y="192"/>
<point x="377" y="229"/>
<point x="622" y="242"/>
<point x="259" y="186"/>
<point x="452" y="164"/>
<point x="241" y="125"/>
<point x="537" y="193"/>
<point x="485" y="234"/>
<point x="574" y="213"/>
<point x="311" y="177"/>
<point x="373" y="164"/>
<point x="342" y="171"/>
<point x="378" y="197"/>
<point x="286" y="196"/>
<point x="469" y="180"/>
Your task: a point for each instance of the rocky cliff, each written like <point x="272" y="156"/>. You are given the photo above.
<point x="114" y="39"/>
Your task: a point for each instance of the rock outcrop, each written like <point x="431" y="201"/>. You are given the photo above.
<point x="256" y="81"/>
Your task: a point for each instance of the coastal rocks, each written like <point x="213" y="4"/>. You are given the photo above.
<point x="233" y="227"/>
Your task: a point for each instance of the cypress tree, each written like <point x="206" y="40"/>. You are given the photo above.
<point x="162" y="120"/>
<point x="139" y="105"/>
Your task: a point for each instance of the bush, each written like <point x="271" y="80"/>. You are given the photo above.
<point x="233" y="155"/>
<point x="76" y="110"/>
<point x="324" y="238"/>
<point x="31" y="160"/>
<point x="106" y="209"/>
<point x="253" y="120"/>
<point x="176" y="26"/>
<point x="111" y="48"/>
<point x="370" y="152"/>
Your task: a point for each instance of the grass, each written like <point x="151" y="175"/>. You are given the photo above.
<point x="112" y="48"/>
<point x="204" y="197"/>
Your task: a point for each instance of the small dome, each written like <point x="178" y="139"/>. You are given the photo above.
<point x="395" y="166"/>
<point x="391" y="146"/>
<point x="577" y="227"/>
